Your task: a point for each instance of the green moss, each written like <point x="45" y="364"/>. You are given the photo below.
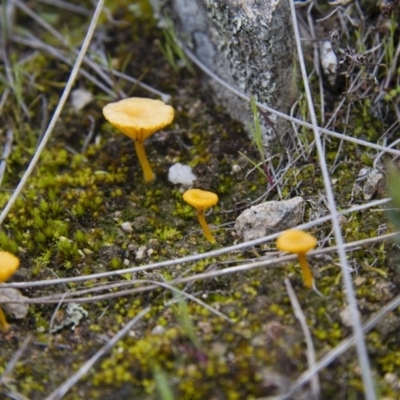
<point x="7" y="244"/>
<point x="67" y="223"/>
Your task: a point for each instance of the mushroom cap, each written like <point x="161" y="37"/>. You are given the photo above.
<point x="138" y="117"/>
<point x="295" y="241"/>
<point x="8" y="265"/>
<point x="200" y="199"/>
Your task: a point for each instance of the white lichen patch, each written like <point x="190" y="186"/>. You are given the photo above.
<point x="74" y="314"/>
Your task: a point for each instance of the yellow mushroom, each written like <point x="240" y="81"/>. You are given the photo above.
<point x="298" y="242"/>
<point x="8" y="265"/>
<point x="201" y="200"/>
<point x="139" y="118"/>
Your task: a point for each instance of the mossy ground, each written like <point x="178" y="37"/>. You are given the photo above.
<point x="68" y="223"/>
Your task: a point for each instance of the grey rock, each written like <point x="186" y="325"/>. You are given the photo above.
<point x="375" y="182"/>
<point x="248" y="43"/>
<point x="16" y="310"/>
<point x="369" y="181"/>
<point x="269" y="217"/>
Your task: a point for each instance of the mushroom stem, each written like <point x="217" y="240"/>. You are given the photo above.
<point x="204" y="226"/>
<point x="148" y="174"/>
<point x="307" y="275"/>
<point x="4" y="327"/>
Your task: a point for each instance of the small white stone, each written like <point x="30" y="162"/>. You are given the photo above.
<point x="360" y="280"/>
<point x="346" y="316"/>
<point x="127" y="227"/>
<point x="180" y="174"/>
<point x="236" y="168"/>
<point x="328" y="59"/>
<point x="80" y="98"/>
<point x="140" y="254"/>
<point x="158" y="330"/>
<point x="390" y="378"/>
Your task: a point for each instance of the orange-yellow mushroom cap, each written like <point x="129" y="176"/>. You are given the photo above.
<point x="138" y="117"/>
<point x="298" y="242"/>
<point x="200" y="199"/>
<point x="8" y="265"/>
<point x="295" y="241"/>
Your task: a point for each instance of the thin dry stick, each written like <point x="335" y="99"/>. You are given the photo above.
<point x="62" y="299"/>
<point x="53" y="317"/>
<point x="390" y="72"/>
<point x="90" y="134"/>
<point x="6" y="22"/>
<point x="4" y="97"/>
<point x="62" y="390"/>
<point x="263" y="107"/>
<point x="12" y="395"/>
<point x="66" y="5"/>
<point x="11" y="364"/>
<point x="57" y="112"/>
<point x="317" y="67"/>
<point x="338" y="350"/>
<point x="191" y="297"/>
<point x="99" y="69"/>
<point x="298" y="312"/>
<point x="369" y="389"/>
<point x="379" y="156"/>
<point x="194" y="257"/>
<point x="189" y="279"/>
<point x="166" y="98"/>
<point x="206" y="275"/>
<point x="6" y="153"/>
<point x="36" y="43"/>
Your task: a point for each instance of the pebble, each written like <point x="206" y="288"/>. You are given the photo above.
<point x="269" y="217"/>
<point x="140" y="254"/>
<point x="127" y="227"/>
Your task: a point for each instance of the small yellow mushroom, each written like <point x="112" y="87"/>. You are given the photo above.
<point x="8" y="265"/>
<point x="201" y="200"/>
<point x="139" y="118"/>
<point x="298" y="242"/>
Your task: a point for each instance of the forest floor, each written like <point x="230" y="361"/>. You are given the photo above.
<point x="201" y="320"/>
